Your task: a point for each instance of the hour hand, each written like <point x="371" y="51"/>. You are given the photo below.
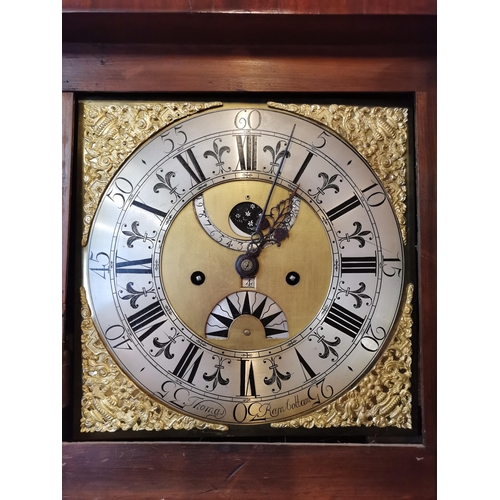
<point x="272" y="229"/>
<point x="275" y="226"/>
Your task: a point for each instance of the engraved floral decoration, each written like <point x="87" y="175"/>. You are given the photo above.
<point x="357" y="294"/>
<point x="379" y="134"/>
<point x="136" y="235"/>
<point x="358" y="235"/>
<point x="277" y="154"/>
<point x="111" y="131"/>
<point x="166" y="183"/>
<point x="277" y="376"/>
<point x="328" y="345"/>
<point x="217" y="154"/>
<point x="328" y="183"/>
<point x="216" y="377"/>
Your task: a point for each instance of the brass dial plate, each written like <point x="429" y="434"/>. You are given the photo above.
<point x="187" y="249"/>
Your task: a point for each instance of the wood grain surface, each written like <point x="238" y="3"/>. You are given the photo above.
<point x="238" y="471"/>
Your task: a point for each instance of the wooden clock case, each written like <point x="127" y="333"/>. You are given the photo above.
<point x="129" y="48"/>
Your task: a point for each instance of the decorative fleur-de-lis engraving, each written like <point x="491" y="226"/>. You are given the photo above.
<point x="134" y="295"/>
<point x="164" y="347"/>
<point x="216" y="377"/>
<point x="357" y="295"/>
<point x="277" y="376"/>
<point x="328" y="183"/>
<point x="358" y="235"/>
<point x="217" y="154"/>
<point x="166" y="183"/>
<point x="328" y="345"/>
<point x="135" y="235"/>
<point x="276" y="154"/>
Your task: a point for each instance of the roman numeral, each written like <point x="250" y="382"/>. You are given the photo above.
<point x="124" y="344"/>
<point x="186" y="365"/>
<point x="306" y="369"/>
<point x="344" y="320"/>
<point x="356" y="265"/>
<point x="148" y="208"/>
<point x="127" y="266"/>
<point x="197" y="173"/>
<point x="303" y="167"/>
<point x="347" y="206"/>
<point x="149" y="331"/>
<point x="145" y="316"/>
<point x="343" y="208"/>
<point x="247" y="379"/>
<point x="247" y="152"/>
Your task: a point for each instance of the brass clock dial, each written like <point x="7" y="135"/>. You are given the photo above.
<point x="168" y="248"/>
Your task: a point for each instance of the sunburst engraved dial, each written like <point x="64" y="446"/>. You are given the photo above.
<point x="180" y="317"/>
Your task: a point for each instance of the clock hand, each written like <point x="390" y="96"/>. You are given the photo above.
<point x="247" y="265"/>
<point x="280" y="217"/>
<point x="262" y="215"/>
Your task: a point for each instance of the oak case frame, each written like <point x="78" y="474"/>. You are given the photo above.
<point x="104" y="60"/>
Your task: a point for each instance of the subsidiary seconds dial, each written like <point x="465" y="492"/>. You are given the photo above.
<point x="194" y="331"/>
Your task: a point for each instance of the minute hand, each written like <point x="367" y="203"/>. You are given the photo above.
<point x="264" y="211"/>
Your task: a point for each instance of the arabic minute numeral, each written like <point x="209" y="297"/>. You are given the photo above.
<point x="101" y="260"/>
<point x="117" y="337"/>
<point x="393" y="269"/>
<point x="248" y="120"/>
<point x="121" y="189"/>
<point x="171" y="141"/>
<point x="373" y="338"/>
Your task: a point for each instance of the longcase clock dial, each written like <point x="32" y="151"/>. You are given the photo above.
<point x="239" y="273"/>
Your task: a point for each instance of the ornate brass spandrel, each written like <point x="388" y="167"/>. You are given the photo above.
<point x="111" y="401"/>
<point x="382" y="398"/>
<point x="111" y="131"/>
<point x="379" y="134"/>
